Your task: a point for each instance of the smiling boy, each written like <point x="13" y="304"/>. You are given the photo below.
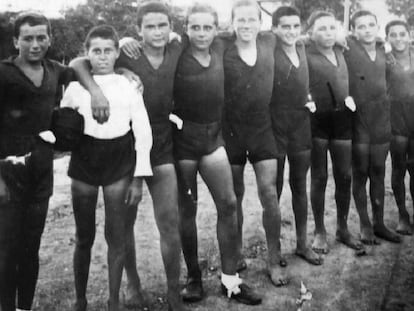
<point x="106" y="157"/>
<point x="199" y="147"/>
<point x="29" y="84"/>
<point x="247" y="128"/>
<point x="156" y="68"/>
<point x="366" y="62"/>
<point x="291" y="120"/>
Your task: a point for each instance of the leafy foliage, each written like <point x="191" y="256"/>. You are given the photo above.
<point x="69" y="32"/>
<point x="306" y="7"/>
<point x="401" y="7"/>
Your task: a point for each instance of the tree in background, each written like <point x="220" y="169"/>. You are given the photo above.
<point x="69" y="32"/>
<point x="306" y="7"/>
<point x="6" y="35"/>
<point x="401" y="7"/>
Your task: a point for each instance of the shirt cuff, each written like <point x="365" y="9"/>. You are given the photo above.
<point x="143" y="165"/>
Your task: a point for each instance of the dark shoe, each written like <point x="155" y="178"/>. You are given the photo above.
<point x="246" y="296"/>
<point x="193" y="290"/>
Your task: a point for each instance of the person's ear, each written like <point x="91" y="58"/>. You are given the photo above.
<point x="138" y="30"/>
<point x="16" y="43"/>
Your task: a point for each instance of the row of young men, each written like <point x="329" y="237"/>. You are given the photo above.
<point x="238" y="76"/>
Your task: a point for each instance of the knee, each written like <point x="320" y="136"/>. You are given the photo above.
<point x="319" y="179"/>
<point x="298" y="186"/>
<point x="227" y="206"/>
<point x="115" y="238"/>
<point x="268" y="193"/>
<point x="167" y="223"/>
<point x="343" y="178"/>
<point x="84" y="241"/>
<point x="239" y="189"/>
<point x="377" y="172"/>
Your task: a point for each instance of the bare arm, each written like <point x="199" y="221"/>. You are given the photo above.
<point x="99" y="103"/>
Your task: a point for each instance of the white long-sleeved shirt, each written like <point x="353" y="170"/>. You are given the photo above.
<point x="127" y="110"/>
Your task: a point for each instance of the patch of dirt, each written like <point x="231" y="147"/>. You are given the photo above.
<point x="381" y="280"/>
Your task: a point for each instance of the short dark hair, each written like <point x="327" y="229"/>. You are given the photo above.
<point x="102" y="31"/>
<point x="152" y="7"/>
<point x="202" y="8"/>
<point x="361" y="13"/>
<point x="241" y="3"/>
<point x="317" y="15"/>
<point x="33" y="19"/>
<point x="284" y="11"/>
<point x="395" y="23"/>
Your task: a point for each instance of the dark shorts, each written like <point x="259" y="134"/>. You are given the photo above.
<point x="101" y="162"/>
<point x="33" y="181"/>
<point x="372" y="123"/>
<point x="196" y="140"/>
<point x="402" y="118"/>
<point x="162" y="144"/>
<point x="249" y="135"/>
<point x="292" y="131"/>
<point x="332" y="125"/>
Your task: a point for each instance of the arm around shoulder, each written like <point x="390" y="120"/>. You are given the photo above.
<point x="99" y="103"/>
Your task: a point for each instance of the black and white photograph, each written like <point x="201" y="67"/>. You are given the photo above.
<point x="206" y="155"/>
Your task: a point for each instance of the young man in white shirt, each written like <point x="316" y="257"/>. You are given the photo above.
<point x="107" y="157"/>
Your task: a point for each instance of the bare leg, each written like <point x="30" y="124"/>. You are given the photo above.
<point x="399" y="149"/>
<point x="410" y="166"/>
<point x="360" y="168"/>
<point x="187" y="203"/>
<point x="378" y="155"/>
<point x="216" y="172"/>
<point x="115" y="220"/>
<point x="298" y="168"/>
<point x="84" y="197"/>
<point x="280" y="175"/>
<point x="341" y="154"/>
<point x="238" y="182"/>
<point x="319" y="177"/>
<point x="266" y="172"/>
<point x="163" y="188"/>
<point x="133" y="295"/>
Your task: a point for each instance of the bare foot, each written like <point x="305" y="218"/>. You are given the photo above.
<point x="320" y="245"/>
<point x="368" y="237"/>
<point x="345" y="237"/>
<point x="310" y="256"/>
<point x="175" y="303"/>
<point x="383" y="232"/>
<point x="134" y="298"/>
<point x="80" y="305"/>
<point x="113" y="305"/>
<point x="276" y="275"/>
<point x="404" y="227"/>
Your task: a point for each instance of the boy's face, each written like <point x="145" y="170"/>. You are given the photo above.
<point x="32" y="43"/>
<point x="366" y="29"/>
<point x="102" y="55"/>
<point x="288" y="29"/>
<point x="399" y="38"/>
<point x="246" y="23"/>
<point x="201" y="30"/>
<point x="155" y="30"/>
<point x="324" y="32"/>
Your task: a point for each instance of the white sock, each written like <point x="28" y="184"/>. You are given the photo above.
<point x="17" y="309"/>
<point x="231" y="282"/>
